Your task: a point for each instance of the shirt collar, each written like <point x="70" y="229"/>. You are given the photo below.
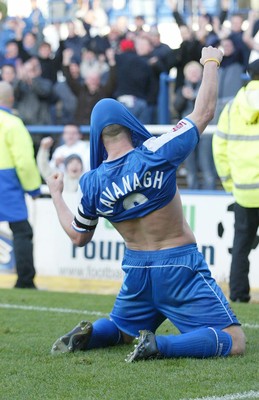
<point x="7" y="109"/>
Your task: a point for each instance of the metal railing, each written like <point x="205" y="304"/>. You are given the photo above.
<point x="85" y="129"/>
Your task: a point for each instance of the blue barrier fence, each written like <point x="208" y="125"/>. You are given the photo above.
<point x="53" y="129"/>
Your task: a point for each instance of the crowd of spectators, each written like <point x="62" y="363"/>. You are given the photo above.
<point x="92" y="60"/>
<point x="62" y="85"/>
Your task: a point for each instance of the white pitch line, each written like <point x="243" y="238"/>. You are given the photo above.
<point x="253" y="326"/>
<point x="74" y="311"/>
<point x="52" y="309"/>
<point x="235" y="396"/>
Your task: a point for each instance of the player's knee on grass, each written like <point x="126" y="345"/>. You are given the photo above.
<point x="238" y="340"/>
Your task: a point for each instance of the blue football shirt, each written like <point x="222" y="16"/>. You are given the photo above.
<point x="141" y="181"/>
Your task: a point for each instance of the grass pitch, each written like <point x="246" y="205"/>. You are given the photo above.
<point x="30" y="321"/>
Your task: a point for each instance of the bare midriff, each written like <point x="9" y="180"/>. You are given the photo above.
<point x="162" y="229"/>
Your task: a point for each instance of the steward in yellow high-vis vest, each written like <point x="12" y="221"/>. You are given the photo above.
<point x="236" y="156"/>
<point x="18" y="175"/>
<point x="236" y="146"/>
<point x="18" y="170"/>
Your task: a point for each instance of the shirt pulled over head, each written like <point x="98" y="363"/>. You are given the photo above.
<point x="108" y="112"/>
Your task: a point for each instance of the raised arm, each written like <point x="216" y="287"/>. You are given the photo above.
<point x="206" y="100"/>
<point x="248" y="37"/>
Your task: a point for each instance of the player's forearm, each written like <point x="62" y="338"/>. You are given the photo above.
<point x="206" y="100"/>
<point x="66" y="218"/>
<point x="207" y="96"/>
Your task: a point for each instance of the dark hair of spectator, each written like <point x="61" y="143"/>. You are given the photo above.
<point x="8" y="65"/>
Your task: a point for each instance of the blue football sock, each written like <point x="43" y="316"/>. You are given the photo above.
<point x="105" y="333"/>
<point x="200" y="343"/>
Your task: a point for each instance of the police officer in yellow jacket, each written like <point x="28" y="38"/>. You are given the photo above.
<point x="236" y="156"/>
<point x="18" y="175"/>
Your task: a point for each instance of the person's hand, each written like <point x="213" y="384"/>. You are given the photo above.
<point x="211" y="53"/>
<point x="55" y="183"/>
<point x="47" y="142"/>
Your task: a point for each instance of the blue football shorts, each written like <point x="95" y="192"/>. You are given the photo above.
<point x="172" y="283"/>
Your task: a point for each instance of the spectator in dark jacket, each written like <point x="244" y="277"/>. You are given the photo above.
<point x="91" y="91"/>
<point x="163" y="53"/>
<point x="33" y="94"/>
<point x="237" y="34"/>
<point x="50" y="64"/>
<point x="66" y="99"/>
<point x="144" y="49"/>
<point x="75" y="41"/>
<point x="134" y="80"/>
<point x="189" y="49"/>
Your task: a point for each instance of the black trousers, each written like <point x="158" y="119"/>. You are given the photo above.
<point x="23" y="251"/>
<point x="246" y="225"/>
